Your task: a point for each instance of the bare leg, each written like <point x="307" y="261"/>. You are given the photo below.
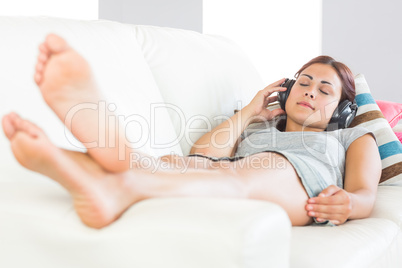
<point x="100" y="197"/>
<point x="264" y="176"/>
<point x="66" y="83"/>
<point x="78" y="173"/>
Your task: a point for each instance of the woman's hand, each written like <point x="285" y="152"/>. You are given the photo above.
<point x="333" y="204"/>
<point x="258" y="105"/>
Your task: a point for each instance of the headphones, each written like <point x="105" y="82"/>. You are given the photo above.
<point x="342" y="116"/>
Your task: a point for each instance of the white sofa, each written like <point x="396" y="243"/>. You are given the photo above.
<point x="168" y="86"/>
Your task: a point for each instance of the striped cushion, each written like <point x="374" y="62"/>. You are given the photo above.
<point x="370" y="117"/>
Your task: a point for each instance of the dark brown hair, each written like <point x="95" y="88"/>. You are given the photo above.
<point x="343" y="72"/>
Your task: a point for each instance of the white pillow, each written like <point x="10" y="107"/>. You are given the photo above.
<point x="119" y="68"/>
<point x="202" y="78"/>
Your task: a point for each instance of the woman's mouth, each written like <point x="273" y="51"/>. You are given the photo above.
<point x="305" y="104"/>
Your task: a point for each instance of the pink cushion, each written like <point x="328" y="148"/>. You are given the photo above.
<point x="391" y="110"/>
<point x="399" y="135"/>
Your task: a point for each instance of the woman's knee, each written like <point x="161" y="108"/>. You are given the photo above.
<point x="169" y="158"/>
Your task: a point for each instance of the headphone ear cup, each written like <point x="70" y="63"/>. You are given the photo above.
<point x="283" y="95"/>
<point x="343" y="115"/>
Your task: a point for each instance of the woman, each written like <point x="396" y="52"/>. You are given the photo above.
<point x="103" y="183"/>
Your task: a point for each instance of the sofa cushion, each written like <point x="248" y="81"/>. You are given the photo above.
<point x="202" y="78"/>
<point x="369" y="116"/>
<point x="388" y="204"/>
<point x="392" y="111"/>
<point x="357" y="244"/>
<point x="38" y="222"/>
<point x="118" y="66"/>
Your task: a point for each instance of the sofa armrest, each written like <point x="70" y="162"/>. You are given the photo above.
<point x="209" y="232"/>
<point x="38" y="221"/>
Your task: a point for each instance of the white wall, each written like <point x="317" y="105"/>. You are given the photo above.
<point x="278" y="36"/>
<point x="72" y="9"/>
<point x="183" y="14"/>
<point x="367" y="36"/>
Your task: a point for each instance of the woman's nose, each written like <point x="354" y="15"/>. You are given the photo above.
<point x="311" y="95"/>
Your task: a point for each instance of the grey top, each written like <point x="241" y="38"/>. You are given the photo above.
<point x="318" y="157"/>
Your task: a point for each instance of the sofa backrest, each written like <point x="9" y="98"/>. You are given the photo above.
<point x="202" y="78"/>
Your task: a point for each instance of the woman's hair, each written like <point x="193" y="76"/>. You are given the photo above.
<point x="343" y="71"/>
<point x="344" y="74"/>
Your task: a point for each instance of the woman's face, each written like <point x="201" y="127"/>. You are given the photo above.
<point x="313" y="99"/>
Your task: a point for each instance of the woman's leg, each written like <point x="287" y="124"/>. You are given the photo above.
<point x="101" y="197"/>
<point x="66" y="83"/>
<point x="264" y="176"/>
<point x="68" y="87"/>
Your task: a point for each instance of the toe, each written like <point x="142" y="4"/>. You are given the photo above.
<point x="8" y="125"/>
<point x="38" y="78"/>
<point x="28" y="127"/>
<point x="43" y="48"/>
<point x="42" y="58"/>
<point x="55" y="44"/>
<point x="39" y="67"/>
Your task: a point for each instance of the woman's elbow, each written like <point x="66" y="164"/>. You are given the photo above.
<point x="196" y="150"/>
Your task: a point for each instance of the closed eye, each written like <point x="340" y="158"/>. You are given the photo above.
<point x="305" y="85"/>
<point x="323" y="92"/>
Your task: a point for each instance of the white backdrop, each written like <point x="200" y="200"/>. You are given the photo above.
<point x="72" y="9"/>
<point x="278" y="36"/>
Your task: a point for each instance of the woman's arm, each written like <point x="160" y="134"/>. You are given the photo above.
<point x="356" y="200"/>
<point x="362" y="174"/>
<point x="224" y="139"/>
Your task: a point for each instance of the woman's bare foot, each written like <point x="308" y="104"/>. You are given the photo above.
<point x="99" y="197"/>
<point x="68" y="87"/>
<point x="64" y="77"/>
